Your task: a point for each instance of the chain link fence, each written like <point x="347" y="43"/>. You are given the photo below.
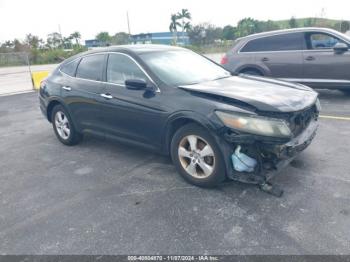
<point x="14" y="59"/>
<point x="15" y="73"/>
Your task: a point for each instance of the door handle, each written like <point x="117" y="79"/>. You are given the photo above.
<point x="107" y="96"/>
<point x="265" y="59"/>
<point x="67" y="88"/>
<point x="310" y="58"/>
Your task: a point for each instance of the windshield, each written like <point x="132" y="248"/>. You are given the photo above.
<point x="183" y="67"/>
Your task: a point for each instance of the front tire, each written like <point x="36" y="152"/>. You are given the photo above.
<point x="63" y="126"/>
<point x="197" y="156"/>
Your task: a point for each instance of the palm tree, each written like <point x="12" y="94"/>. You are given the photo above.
<point x="76" y="36"/>
<point x="67" y="42"/>
<point x="185" y="25"/>
<point x="173" y="26"/>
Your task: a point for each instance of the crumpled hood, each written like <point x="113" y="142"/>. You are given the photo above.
<point x="265" y="94"/>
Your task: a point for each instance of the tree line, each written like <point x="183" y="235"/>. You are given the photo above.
<point x="52" y="50"/>
<point x="206" y="33"/>
<point x="57" y="47"/>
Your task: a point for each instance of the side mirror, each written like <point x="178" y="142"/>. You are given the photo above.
<point x="135" y="84"/>
<point x="340" y="48"/>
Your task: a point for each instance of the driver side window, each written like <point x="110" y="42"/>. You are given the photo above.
<point x="322" y="41"/>
<point x="120" y="68"/>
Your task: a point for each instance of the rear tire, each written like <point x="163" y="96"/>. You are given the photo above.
<point x="63" y="126"/>
<point x="197" y="156"/>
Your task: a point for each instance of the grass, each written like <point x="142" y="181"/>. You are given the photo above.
<point x="210" y="49"/>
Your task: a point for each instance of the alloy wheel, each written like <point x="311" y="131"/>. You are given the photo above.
<point x="196" y="156"/>
<point x="62" y="125"/>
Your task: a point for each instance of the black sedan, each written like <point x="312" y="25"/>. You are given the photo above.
<point x="213" y="124"/>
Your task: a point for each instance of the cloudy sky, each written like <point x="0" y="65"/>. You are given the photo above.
<point x="41" y="17"/>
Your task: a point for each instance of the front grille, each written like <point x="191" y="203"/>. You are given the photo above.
<point x="300" y="120"/>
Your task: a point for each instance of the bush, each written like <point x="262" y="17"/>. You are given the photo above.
<point x="52" y="56"/>
<point x="210" y="49"/>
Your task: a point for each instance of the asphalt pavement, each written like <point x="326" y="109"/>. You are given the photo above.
<point x="101" y="197"/>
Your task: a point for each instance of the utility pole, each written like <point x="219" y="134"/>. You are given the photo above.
<point x="323" y="13"/>
<point x="127" y="19"/>
<point x="60" y="32"/>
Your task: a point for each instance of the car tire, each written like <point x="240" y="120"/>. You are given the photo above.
<point x="63" y="126"/>
<point x="204" y="168"/>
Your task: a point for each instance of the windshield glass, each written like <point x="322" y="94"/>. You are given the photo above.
<point x="183" y="67"/>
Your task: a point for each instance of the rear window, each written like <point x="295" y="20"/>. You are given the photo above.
<point x="70" y="67"/>
<point x="284" y="42"/>
<point x="91" y="67"/>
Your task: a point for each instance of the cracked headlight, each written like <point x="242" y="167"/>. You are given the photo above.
<point x="255" y="124"/>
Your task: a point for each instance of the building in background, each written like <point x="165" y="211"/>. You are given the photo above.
<point x="165" y="38"/>
<point x="93" y="43"/>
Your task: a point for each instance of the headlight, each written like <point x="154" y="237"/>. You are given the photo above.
<point x="255" y="124"/>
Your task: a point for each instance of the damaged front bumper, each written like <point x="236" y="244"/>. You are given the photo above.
<point x="271" y="155"/>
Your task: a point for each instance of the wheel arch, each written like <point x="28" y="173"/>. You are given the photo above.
<point x="52" y="103"/>
<point x="50" y="107"/>
<point x="58" y="101"/>
<point x="177" y="121"/>
<point x="261" y="70"/>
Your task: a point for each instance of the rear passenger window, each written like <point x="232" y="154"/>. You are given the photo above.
<point x="91" y="67"/>
<point x="284" y="42"/>
<point x="70" y="67"/>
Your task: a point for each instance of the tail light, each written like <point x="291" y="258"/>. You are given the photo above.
<point x="224" y="60"/>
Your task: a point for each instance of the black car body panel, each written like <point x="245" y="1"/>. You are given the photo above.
<point x="268" y="95"/>
<point x="150" y="117"/>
